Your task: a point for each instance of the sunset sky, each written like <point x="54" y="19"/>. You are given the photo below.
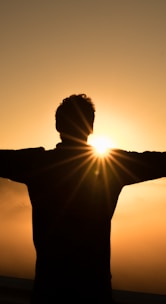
<point x="115" y="52"/>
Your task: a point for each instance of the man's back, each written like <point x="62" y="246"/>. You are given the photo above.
<point x="71" y="223"/>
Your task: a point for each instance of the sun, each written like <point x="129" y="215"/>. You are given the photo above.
<point x="102" y="144"/>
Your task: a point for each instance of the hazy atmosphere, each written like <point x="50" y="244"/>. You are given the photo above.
<point x="115" y="52"/>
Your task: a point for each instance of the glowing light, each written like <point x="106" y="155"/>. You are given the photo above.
<point x="102" y="144"/>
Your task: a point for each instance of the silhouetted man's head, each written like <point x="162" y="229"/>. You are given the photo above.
<point x="75" y="117"/>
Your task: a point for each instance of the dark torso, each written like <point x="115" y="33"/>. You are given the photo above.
<point x="72" y="209"/>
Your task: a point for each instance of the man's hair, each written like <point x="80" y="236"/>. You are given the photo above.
<point x="75" y="116"/>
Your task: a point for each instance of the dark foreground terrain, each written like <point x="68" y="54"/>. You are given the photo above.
<point x="18" y="291"/>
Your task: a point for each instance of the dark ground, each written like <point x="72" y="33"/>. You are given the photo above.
<point x="17" y="291"/>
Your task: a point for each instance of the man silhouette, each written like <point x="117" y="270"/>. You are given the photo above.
<point x="74" y="194"/>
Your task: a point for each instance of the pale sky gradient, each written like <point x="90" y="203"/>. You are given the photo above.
<point x="115" y="52"/>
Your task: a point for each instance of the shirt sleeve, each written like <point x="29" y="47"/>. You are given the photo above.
<point x="19" y="165"/>
<point x="134" y="167"/>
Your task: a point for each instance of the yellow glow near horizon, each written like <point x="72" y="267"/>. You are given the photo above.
<point x="101" y="143"/>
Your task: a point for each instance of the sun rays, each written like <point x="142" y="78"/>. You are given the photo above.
<point x="93" y="165"/>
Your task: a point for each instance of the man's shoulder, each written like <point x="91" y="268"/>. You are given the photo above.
<point x="25" y="152"/>
<point x="36" y="154"/>
<point x="115" y="152"/>
<point x="35" y="151"/>
<point x="32" y="150"/>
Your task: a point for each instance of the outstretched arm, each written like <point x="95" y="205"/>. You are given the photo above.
<point x="134" y="167"/>
<point x="18" y="164"/>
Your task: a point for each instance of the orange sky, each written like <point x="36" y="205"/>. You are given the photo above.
<point x="115" y="52"/>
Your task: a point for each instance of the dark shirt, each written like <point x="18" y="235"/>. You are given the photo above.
<point x="74" y="194"/>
